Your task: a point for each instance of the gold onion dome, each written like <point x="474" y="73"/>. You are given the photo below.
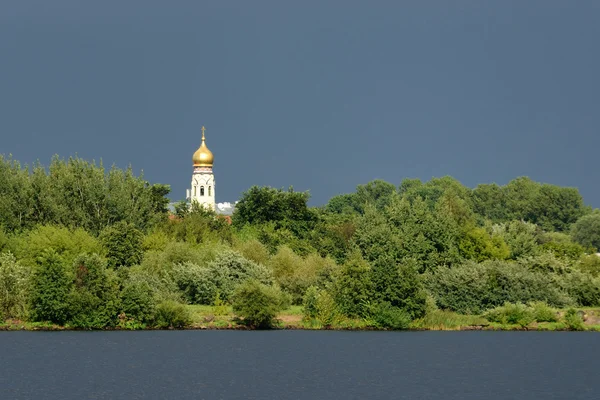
<point x="203" y="157"/>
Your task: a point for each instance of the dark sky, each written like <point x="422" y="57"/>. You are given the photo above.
<point x="321" y="95"/>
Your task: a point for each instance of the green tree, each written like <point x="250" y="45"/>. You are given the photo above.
<point x="287" y="209"/>
<point x="14" y="280"/>
<point x="399" y="285"/>
<point x="122" y="244"/>
<point x="94" y="299"/>
<point x="586" y="231"/>
<point x="67" y="243"/>
<point x="50" y="288"/>
<point x="353" y="287"/>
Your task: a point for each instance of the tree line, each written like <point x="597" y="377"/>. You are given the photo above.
<point x="87" y="247"/>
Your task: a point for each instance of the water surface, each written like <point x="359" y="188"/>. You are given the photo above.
<point x="299" y="365"/>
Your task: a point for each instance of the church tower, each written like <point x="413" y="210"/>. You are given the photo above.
<point x="203" y="180"/>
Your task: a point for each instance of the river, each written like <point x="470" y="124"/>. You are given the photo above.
<point x="299" y="365"/>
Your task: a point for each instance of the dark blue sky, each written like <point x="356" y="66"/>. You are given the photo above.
<point x="321" y="95"/>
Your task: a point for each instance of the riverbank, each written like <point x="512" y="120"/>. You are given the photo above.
<point x="213" y="318"/>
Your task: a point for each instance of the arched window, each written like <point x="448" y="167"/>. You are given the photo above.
<point x="195" y="190"/>
<point x="209" y="190"/>
<point x="201" y="190"/>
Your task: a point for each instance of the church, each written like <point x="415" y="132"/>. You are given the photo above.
<point x="203" y="190"/>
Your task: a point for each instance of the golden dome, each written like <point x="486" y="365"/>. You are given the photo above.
<point x="203" y="157"/>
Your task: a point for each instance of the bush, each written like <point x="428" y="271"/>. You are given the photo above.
<point x="353" y="286"/>
<point x="401" y="286"/>
<point x="51" y="285"/>
<point x="573" y="320"/>
<point x="309" y="303"/>
<point x="586" y="231"/>
<point x="386" y="316"/>
<point x="327" y="311"/>
<point x="583" y="288"/>
<point x="236" y="270"/>
<point x="199" y="285"/>
<point x="137" y="301"/>
<point x="257" y="304"/>
<point x="472" y="288"/>
<point x="14" y="279"/>
<point x="94" y="298"/>
<point x="512" y="314"/>
<point x="590" y="264"/>
<point x="253" y="250"/>
<point x="123" y="244"/>
<point x="543" y="313"/>
<point x="171" y="314"/>
<point x="67" y="244"/>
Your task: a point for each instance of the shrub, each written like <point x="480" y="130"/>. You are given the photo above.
<point x="237" y="270"/>
<point x="93" y="301"/>
<point x="199" y="285"/>
<point x="257" y="304"/>
<point x="14" y="279"/>
<point x="543" y="313"/>
<point x="583" y="288"/>
<point x="511" y="314"/>
<point x="353" y="286"/>
<point x="67" y="244"/>
<point x="573" y="320"/>
<point x="171" y="314"/>
<point x="51" y="285"/>
<point x="590" y="264"/>
<point x="586" y="231"/>
<point x="137" y="301"/>
<point x="386" y="316"/>
<point x="309" y="303"/>
<point x="253" y="250"/>
<point x="123" y="244"/>
<point x="519" y="236"/>
<point x="472" y="288"/>
<point x="327" y="311"/>
<point x="401" y="286"/>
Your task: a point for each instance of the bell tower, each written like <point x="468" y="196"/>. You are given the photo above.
<point x="202" y="189"/>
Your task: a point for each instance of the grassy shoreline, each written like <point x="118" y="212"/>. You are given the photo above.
<point x="212" y="318"/>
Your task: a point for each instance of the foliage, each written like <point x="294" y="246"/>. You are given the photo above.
<point x="122" y="243"/>
<point x="265" y="204"/>
<point x="235" y="269"/>
<point x="474" y="288"/>
<point x="586" y="231"/>
<point x="171" y="314"/>
<point x="399" y="285"/>
<point x="477" y="244"/>
<point x="309" y="303"/>
<point x="590" y="265"/>
<point x="137" y="301"/>
<point x="77" y="193"/>
<point x="94" y="298"/>
<point x="50" y="288"/>
<point x="327" y="310"/>
<point x="512" y="314"/>
<point x="542" y="312"/>
<point x="14" y="279"/>
<point x="519" y="236"/>
<point x="253" y="250"/>
<point x="353" y="286"/>
<point x="583" y="288"/>
<point x="386" y="316"/>
<point x="198" y="284"/>
<point x="573" y="320"/>
<point x="66" y="243"/>
<point x="257" y="304"/>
